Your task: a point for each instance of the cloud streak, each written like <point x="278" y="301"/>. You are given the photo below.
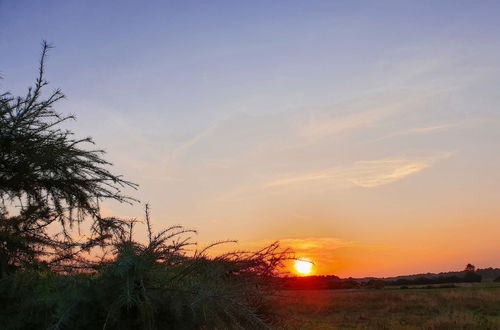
<point x="417" y="131"/>
<point x="365" y="174"/>
<point x="313" y="244"/>
<point x="321" y="127"/>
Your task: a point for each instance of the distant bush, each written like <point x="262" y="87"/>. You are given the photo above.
<point x="375" y="284"/>
<point x="497" y="279"/>
<point x="329" y="282"/>
<point x="472" y="277"/>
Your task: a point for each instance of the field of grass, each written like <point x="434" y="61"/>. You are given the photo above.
<point x="472" y="306"/>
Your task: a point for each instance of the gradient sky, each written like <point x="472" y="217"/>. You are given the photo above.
<point x="364" y="134"/>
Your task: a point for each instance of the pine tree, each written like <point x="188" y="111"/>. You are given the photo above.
<point x="47" y="176"/>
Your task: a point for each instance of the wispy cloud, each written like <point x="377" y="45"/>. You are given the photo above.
<point x="369" y="174"/>
<point x="186" y="145"/>
<point x="320" y="127"/>
<point x="362" y="113"/>
<point x="366" y="174"/>
<point x="312" y="244"/>
<point x="423" y="130"/>
<point x="298" y="244"/>
<point x="418" y="131"/>
<point x="240" y="136"/>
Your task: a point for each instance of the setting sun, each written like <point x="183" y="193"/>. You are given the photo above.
<point x="303" y="267"/>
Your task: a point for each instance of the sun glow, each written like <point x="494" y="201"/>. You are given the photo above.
<point x="303" y="267"/>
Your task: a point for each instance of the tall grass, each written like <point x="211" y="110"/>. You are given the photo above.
<point x="468" y="307"/>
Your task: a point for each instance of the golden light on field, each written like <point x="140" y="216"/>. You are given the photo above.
<point x="303" y="267"/>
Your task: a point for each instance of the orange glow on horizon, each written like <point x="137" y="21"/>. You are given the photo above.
<point x="398" y="255"/>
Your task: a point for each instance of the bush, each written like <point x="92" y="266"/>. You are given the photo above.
<point x="472" y="277"/>
<point x="375" y="284"/>
<point x="146" y="286"/>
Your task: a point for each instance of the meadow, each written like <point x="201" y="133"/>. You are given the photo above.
<point x="468" y="306"/>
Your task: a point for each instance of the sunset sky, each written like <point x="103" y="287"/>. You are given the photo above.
<point x="363" y="134"/>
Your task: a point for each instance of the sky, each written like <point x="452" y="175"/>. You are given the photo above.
<point x="363" y="134"/>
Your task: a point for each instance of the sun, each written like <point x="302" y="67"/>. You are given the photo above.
<point x="303" y="266"/>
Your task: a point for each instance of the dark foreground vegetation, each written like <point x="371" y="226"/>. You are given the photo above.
<point x="64" y="266"/>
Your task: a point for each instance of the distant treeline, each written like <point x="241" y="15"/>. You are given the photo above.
<point x="466" y="277"/>
<point x="487" y="274"/>
<point x="332" y="282"/>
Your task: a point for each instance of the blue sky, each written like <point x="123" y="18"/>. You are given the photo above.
<point x="353" y="121"/>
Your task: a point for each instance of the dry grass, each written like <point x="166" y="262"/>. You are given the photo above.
<point x="468" y="307"/>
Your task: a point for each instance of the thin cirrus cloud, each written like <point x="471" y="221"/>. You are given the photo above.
<point x="303" y="244"/>
<point x="418" y="131"/>
<point x="313" y="244"/>
<point x="365" y="174"/>
<point x="244" y="133"/>
<point x="317" y="128"/>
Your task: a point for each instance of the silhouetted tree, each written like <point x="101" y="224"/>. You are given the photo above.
<point x="470" y="268"/>
<point x="47" y="176"/>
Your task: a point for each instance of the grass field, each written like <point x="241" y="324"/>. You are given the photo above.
<point x="473" y="306"/>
